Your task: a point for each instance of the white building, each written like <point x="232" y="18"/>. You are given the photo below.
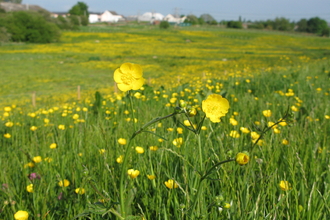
<point x="110" y="16"/>
<point x="171" y="19"/>
<point x="151" y="17"/>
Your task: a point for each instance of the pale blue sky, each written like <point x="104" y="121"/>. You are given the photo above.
<point x="219" y="9"/>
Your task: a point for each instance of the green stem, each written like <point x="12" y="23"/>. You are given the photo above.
<point x="122" y="177"/>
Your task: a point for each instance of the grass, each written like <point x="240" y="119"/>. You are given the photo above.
<point x="86" y="131"/>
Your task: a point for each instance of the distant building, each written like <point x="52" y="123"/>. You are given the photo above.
<point x="174" y="20"/>
<point x="7" y="6"/>
<point x="56" y="14"/>
<point x="111" y="16"/>
<point x="150" y="17"/>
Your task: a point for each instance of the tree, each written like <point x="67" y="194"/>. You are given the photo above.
<point x="192" y="19"/>
<point x="26" y="26"/>
<point x="234" y="24"/>
<point x="302" y="25"/>
<point x="79" y="14"/>
<point x="316" y="25"/>
<point x="79" y="9"/>
<point x="207" y="18"/>
<point x="282" y="24"/>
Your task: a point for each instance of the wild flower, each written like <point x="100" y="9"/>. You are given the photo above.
<point x="133" y="173"/>
<point x="242" y="158"/>
<point x="129" y="76"/>
<point x="80" y="191"/>
<point x="171" y="184"/>
<point x="64" y="183"/>
<point x="284" y="185"/>
<point x="21" y="215"/>
<point x="215" y="107"/>
<point x="29" y="188"/>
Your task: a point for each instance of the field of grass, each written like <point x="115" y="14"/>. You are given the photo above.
<point x="67" y="158"/>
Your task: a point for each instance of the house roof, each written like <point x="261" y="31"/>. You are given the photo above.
<point x="7" y="6"/>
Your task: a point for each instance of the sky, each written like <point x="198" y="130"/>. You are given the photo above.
<point x="253" y="10"/>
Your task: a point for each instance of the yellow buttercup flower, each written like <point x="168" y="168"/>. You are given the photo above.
<point x="21" y="215"/>
<point x="215" y="107"/>
<point x="151" y="177"/>
<point x="7" y="135"/>
<point x="267" y="113"/>
<point x="64" y="183"/>
<point x="53" y="146"/>
<point x="122" y="141"/>
<point x="178" y="142"/>
<point x="29" y="188"/>
<point x="37" y="159"/>
<point x="80" y="191"/>
<point x="133" y="173"/>
<point x="285" y="185"/>
<point x="244" y="130"/>
<point x="234" y="134"/>
<point x="153" y="148"/>
<point x="242" y="158"/>
<point x="120" y="159"/>
<point x="139" y="150"/>
<point x="129" y="76"/>
<point x="171" y="184"/>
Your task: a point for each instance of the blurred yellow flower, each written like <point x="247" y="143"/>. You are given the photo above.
<point x="61" y="127"/>
<point x="227" y="205"/>
<point x="285" y="142"/>
<point x="64" y="183"/>
<point x="204" y="128"/>
<point x="254" y="135"/>
<point x="133" y="173"/>
<point x="9" y="124"/>
<point x="101" y="151"/>
<point x="178" y="142"/>
<point x="153" y="148"/>
<point x="7" y="109"/>
<point x="244" y="130"/>
<point x="7" y="135"/>
<point x="21" y="215"/>
<point x="186" y="123"/>
<point x="171" y="184"/>
<point x="129" y="76"/>
<point x="294" y="108"/>
<point x="284" y="185"/>
<point x="37" y="159"/>
<point x="75" y="116"/>
<point x="139" y="150"/>
<point x="267" y="113"/>
<point x="151" y="177"/>
<point x="33" y="128"/>
<point x="122" y="141"/>
<point x="215" y="107"/>
<point x="29" y="188"/>
<point x="242" y="158"/>
<point x="120" y="159"/>
<point x="80" y="191"/>
<point x="234" y="134"/>
<point x="30" y="164"/>
<point x="53" y="146"/>
<point x="179" y="130"/>
<point x="233" y="121"/>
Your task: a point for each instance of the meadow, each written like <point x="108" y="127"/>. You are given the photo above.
<point x="151" y="153"/>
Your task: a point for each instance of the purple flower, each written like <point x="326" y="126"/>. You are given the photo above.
<point x="34" y="176"/>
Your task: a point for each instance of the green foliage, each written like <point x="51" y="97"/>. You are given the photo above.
<point x="207" y="18"/>
<point x="65" y="23"/>
<point x="282" y="24"/>
<point x="234" y="24"/>
<point x="31" y="27"/>
<point x="80" y="8"/>
<point x="302" y="25"/>
<point x="316" y="25"/>
<point x="192" y="19"/>
<point x="164" y="25"/>
<point x="4" y="35"/>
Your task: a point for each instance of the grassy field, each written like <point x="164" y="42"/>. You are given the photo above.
<point x="67" y="158"/>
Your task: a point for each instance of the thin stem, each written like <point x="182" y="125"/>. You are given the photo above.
<point x="122" y="176"/>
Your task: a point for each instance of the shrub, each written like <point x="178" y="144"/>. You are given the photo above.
<point x="31" y="27"/>
<point x="164" y="25"/>
<point x="4" y="35"/>
<point x="234" y="24"/>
